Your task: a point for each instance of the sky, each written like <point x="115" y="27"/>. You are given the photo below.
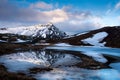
<point x="68" y="15"/>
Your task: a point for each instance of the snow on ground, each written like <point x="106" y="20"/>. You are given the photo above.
<point x="2" y="41"/>
<point x="81" y="33"/>
<point x="42" y="44"/>
<point x="95" y="40"/>
<point x="62" y="44"/>
<point x="19" y="40"/>
<point x="70" y="36"/>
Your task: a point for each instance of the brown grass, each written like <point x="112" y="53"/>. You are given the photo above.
<point x="7" y="48"/>
<point x="36" y="70"/>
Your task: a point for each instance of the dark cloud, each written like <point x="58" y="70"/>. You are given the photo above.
<point x="11" y="12"/>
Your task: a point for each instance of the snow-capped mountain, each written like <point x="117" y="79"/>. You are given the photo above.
<point x="50" y="32"/>
<point x="37" y="32"/>
<point x="107" y="36"/>
<point x="30" y="30"/>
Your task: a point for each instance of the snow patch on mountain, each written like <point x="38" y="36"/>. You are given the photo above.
<point x="96" y="39"/>
<point x="20" y="41"/>
<point x="81" y="33"/>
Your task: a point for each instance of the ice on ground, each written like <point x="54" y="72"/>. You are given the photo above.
<point x="74" y="73"/>
<point x="19" y="66"/>
<point x="95" y="40"/>
<point x="21" y="61"/>
<point x="95" y="52"/>
<point x="67" y="73"/>
<point x="115" y="66"/>
<point x="108" y="74"/>
<point x="96" y="56"/>
<point x="95" y="49"/>
<point x="62" y="44"/>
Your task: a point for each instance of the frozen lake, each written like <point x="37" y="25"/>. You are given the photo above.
<point x="67" y="62"/>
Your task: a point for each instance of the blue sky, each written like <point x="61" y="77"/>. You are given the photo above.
<point x="68" y="15"/>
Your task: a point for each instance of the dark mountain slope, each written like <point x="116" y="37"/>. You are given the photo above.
<point x="112" y="39"/>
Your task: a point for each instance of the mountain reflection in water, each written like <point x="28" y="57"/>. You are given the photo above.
<point x="64" y="64"/>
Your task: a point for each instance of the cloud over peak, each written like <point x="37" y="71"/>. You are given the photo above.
<point x="57" y="15"/>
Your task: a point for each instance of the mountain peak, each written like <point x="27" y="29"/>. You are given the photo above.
<point x="44" y="25"/>
<point x="49" y="32"/>
<point x="49" y="24"/>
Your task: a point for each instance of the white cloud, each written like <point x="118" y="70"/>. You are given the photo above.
<point x="83" y="21"/>
<point x="119" y="18"/>
<point x="41" y="5"/>
<point x="117" y="6"/>
<point x="97" y="21"/>
<point x="57" y="15"/>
